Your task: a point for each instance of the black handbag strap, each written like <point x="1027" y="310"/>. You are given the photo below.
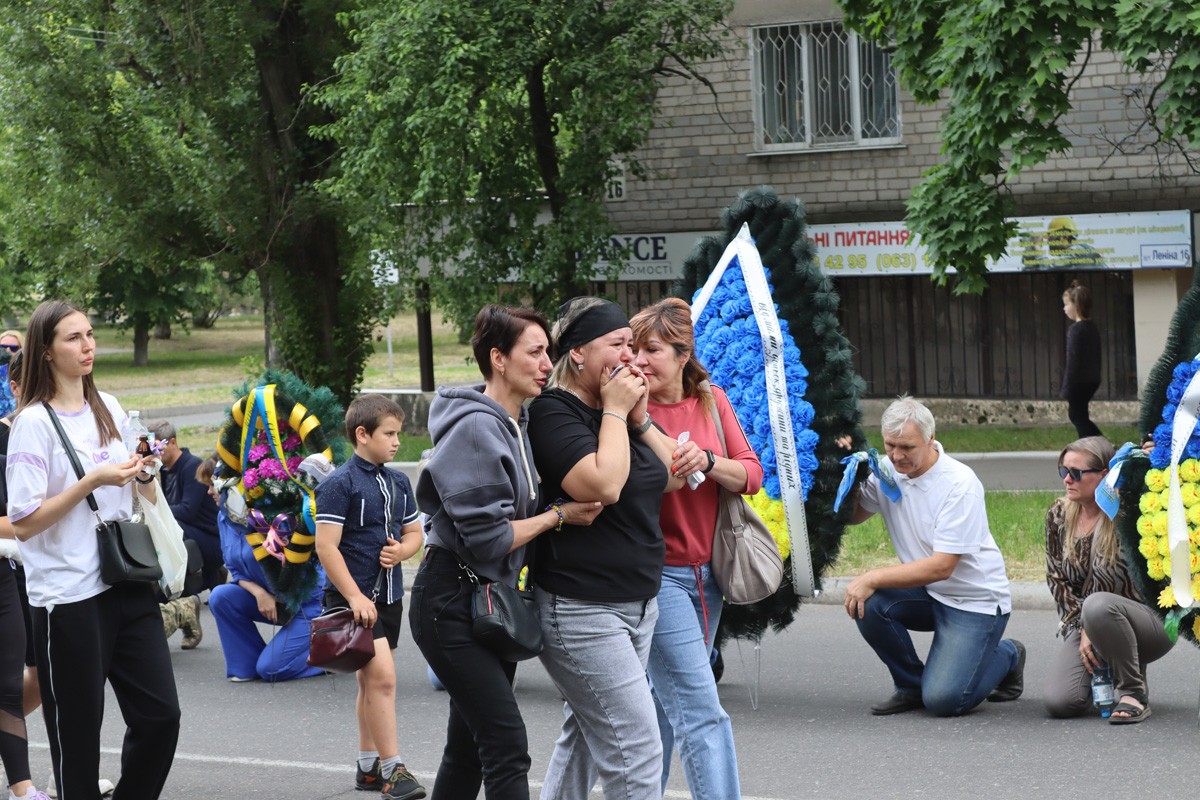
<point x="71" y="454"/>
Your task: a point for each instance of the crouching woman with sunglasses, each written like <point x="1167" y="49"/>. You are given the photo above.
<point x="1103" y="622"/>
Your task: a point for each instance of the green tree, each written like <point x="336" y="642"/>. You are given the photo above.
<point x="483" y="133"/>
<point x="1005" y="72"/>
<point x="168" y="141"/>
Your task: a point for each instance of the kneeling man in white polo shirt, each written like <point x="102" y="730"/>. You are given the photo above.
<point x="951" y="578"/>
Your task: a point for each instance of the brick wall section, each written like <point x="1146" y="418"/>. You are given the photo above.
<point x="701" y="154"/>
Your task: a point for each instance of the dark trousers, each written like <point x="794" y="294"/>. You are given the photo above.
<point x="115" y="636"/>
<point x="1078" y="397"/>
<point x="14" y="748"/>
<point x="213" y="560"/>
<point x="485" y="737"/>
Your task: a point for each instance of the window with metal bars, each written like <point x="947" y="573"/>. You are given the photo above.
<point x="817" y="85"/>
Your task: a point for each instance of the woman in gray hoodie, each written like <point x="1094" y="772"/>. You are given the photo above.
<point x="480" y="496"/>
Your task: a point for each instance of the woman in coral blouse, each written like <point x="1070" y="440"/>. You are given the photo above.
<point x="689" y="601"/>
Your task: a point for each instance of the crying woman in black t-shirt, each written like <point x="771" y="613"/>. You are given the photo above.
<point x="593" y="440"/>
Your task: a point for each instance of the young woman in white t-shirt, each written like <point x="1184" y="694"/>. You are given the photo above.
<point x="85" y="631"/>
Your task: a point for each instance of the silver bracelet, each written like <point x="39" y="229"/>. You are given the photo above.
<point x="645" y="426"/>
<point x="615" y="414"/>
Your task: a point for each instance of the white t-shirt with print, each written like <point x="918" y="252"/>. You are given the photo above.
<point x="942" y="511"/>
<point x="62" y="563"/>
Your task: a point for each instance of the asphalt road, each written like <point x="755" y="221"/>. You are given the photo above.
<point x="811" y="735"/>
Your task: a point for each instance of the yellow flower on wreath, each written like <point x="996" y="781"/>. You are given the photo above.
<point x="256" y="492"/>
<point x="1164" y="546"/>
<point x="1155" y="568"/>
<point x="1150" y="503"/>
<point x="1196" y="587"/>
<point x="1193" y="516"/>
<point x="771" y="513"/>
<point x="1190" y="494"/>
<point x="1160" y="523"/>
<point x="1148" y="546"/>
<point x="1156" y="480"/>
<point x="1145" y="526"/>
<point x="1189" y="470"/>
<point x="1196" y="626"/>
<point x="1166" y="599"/>
<point x="1194" y="562"/>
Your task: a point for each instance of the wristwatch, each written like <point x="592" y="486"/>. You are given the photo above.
<point x="712" y="462"/>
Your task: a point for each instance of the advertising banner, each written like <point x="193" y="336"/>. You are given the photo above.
<point x="1126" y="241"/>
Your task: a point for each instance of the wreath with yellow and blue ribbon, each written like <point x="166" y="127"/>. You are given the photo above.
<point x="269" y="431"/>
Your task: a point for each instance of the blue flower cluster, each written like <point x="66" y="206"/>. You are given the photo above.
<point x="1160" y="457"/>
<point x="8" y="403"/>
<point x="729" y="345"/>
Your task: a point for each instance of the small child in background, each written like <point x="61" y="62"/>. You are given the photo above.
<point x="366" y="526"/>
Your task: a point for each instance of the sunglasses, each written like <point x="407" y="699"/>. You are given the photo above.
<point x="1076" y="474"/>
<point x="12" y="348"/>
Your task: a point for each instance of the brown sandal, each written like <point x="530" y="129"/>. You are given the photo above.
<point x="1135" y="713"/>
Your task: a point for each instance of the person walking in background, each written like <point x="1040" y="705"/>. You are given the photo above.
<point x="1081" y="375"/>
<point x="366" y="527"/>
<point x="479" y="493"/>
<point x="87" y="633"/>
<point x="1102" y="619"/>
<point x="14" y="655"/>
<point x="689" y="601"/>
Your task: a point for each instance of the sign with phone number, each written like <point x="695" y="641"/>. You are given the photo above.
<point x="1136" y="240"/>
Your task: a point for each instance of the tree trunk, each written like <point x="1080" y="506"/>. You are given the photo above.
<point x="318" y="308"/>
<point x="162" y="330"/>
<point x="270" y="349"/>
<point x="141" y="341"/>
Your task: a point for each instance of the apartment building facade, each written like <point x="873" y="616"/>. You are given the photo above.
<point x="805" y="107"/>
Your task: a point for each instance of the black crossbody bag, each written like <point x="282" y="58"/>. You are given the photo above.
<point x="126" y="549"/>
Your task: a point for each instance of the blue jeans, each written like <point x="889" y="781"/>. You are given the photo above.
<point x="966" y="661"/>
<point x="596" y="655"/>
<point x="685" y="692"/>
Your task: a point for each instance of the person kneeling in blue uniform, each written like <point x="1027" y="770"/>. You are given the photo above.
<point x="247" y="599"/>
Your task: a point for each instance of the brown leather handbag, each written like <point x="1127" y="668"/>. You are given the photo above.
<point x="337" y="643"/>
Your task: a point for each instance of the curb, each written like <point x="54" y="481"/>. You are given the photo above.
<point x="1026" y="596"/>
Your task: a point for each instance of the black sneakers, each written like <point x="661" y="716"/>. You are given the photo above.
<point x="401" y="785"/>
<point x="369" y="781"/>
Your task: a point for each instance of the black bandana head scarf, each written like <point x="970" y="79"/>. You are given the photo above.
<point x="603" y="317"/>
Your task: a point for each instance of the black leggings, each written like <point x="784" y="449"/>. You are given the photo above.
<point x="117" y="637"/>
<point x="14" y="748"/>
<point x="1078" y="397"/>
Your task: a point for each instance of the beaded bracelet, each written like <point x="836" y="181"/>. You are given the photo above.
<point x="615" y="414"/>
<point x="556" y="507"/>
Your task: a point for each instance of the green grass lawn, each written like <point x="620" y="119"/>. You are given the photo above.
<point x="1017" y="521"/>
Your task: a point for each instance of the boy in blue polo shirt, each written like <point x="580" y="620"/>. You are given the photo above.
<point x="366" y="526"/>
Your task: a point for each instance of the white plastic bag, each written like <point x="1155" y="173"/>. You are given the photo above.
<point x="168" y="542"/>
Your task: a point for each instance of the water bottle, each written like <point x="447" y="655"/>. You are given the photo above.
<point x="1103" y="693"/>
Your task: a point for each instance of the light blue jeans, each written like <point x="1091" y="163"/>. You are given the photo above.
<point x="966" y="660"/>
<point x="596" y="655"/>
<point x="685" y="692"/>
